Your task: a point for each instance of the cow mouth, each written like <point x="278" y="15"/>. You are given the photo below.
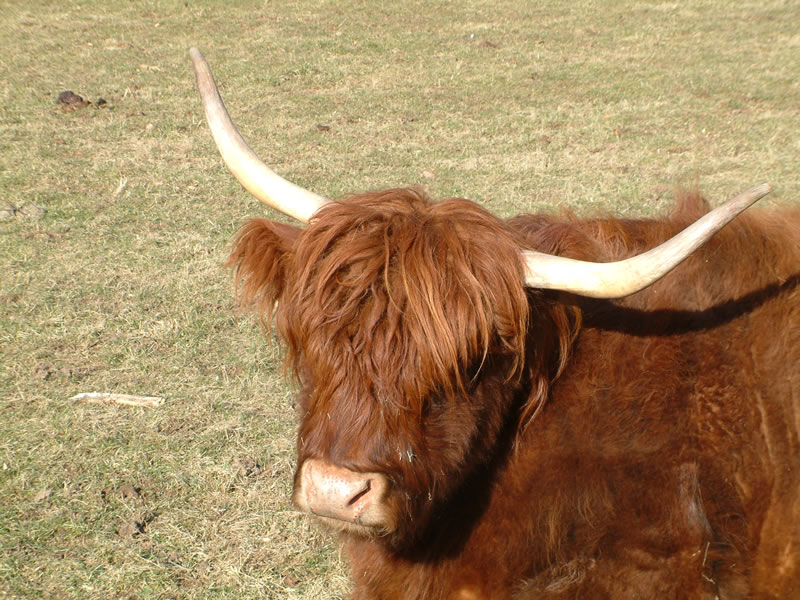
<point x="353" y="528"/>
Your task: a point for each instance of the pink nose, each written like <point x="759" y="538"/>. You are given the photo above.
<point x="331" y="491"/>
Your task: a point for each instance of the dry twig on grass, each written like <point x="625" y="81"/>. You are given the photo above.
<point x="107" y="398"/>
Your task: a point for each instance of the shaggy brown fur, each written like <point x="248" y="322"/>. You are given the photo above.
<point x="541" y="445"/>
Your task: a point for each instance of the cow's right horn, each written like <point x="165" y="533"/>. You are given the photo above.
<point x="625" y="277"/>
<point x="252" y="173"/>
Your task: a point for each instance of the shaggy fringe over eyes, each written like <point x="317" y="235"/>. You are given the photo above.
<point x="407" y="295"/>
<point x="420" y="292"/>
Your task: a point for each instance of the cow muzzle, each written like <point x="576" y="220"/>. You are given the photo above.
<point x="344" y="498"/>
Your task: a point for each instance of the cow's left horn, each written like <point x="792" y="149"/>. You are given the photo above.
<point x="625" y="277"/>
<point x="252" y="173"/>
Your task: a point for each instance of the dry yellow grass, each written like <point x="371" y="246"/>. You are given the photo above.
<point x="119" y="285"/>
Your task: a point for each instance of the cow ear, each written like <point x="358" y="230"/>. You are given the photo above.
<point x="261" y="255"/>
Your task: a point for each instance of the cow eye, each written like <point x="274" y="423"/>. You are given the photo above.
<point x="435" y="404"/>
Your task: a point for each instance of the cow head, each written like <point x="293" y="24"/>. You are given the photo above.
<point x="410" y="326"/>
<point x="395" y="310"/>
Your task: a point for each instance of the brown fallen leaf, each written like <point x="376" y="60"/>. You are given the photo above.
<point x="130" y="529"/>
<point x="43" y="495"/>
<point x="129" y="492"/>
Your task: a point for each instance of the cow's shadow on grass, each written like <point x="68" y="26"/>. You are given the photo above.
<point x="608" y="316"/>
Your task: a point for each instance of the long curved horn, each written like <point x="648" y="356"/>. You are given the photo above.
<point x="252" y="173"/>
<point x="625" y="277"/>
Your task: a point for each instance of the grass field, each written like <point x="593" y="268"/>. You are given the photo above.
<point x="115" y="222"/>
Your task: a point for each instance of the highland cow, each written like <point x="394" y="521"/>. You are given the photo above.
<point x="537" y="407"/>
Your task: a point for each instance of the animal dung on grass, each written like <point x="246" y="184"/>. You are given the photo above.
<point x="69" y="101"/>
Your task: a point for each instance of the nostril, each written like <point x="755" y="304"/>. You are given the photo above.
<point x="362" y="493"/>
